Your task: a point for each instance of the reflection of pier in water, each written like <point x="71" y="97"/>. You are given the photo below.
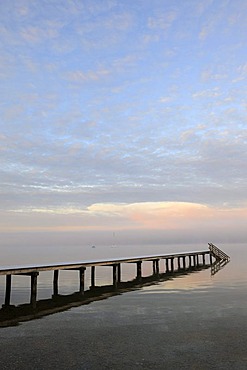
<point x="175" y="265"/>
<point x="218" y="265"/>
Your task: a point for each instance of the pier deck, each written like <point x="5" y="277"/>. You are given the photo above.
<point x="182" y="260"/>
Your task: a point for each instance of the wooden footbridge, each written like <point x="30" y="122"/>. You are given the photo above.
<point x="178" y="261"/>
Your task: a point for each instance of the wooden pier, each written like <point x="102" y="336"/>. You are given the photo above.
<point x="178" y="261"/>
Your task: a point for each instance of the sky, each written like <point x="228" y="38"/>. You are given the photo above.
<point x="122" y="117"/>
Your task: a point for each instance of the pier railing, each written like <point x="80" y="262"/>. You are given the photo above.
<point x="218" y="253"/>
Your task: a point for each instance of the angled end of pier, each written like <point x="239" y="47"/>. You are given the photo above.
<point x="217" y="253"/>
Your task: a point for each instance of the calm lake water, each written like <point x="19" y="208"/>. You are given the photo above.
<point x="192" y="321"/>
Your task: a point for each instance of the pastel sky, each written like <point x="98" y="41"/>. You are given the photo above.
<point x="122" y="115"/>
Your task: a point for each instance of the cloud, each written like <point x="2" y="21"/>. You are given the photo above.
<point x="153" y="222"/>
<point x="93" y="75"/>
<point x="162" y="21"/>
<point x="213" y="93"/>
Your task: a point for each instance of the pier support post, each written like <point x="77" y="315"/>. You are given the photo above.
<point x="172" y="264"/>
<point x="7" y="290"/>
<point x="119" y="272"/>
<point x="190" y="262"/>
<point x="194" y="260"/>
<point x="82" y="280"/>
<point x="33" y="296"/>
<point x="114" y="275"/>
<point x="154" y="267"/>
<point x="184" y="262"/>
<point x="92" y="276"/>
<point x="203" y="259"/>
<point x="211" y="259"/>
<point x="157" y="268"/>
<point x="179" y="267"/>
<point x="55" y="282"/>
<point x="197" y="260"/>
<point x="139" y="270"/>
<point x="167" y="265"/>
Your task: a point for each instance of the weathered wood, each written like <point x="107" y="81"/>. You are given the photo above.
<point x="167" y="264"/>
<point x="92" y="276"/>
<point x="82" y="280"/>
<point x="33" y="295"/>
<point x="119" y="272"/>
<point x="114" y="275"/>
<point x="190" y="262"/>
<point x="194" y="260"/>
<point x="8" y="290"/>
<point x="139" y="270"/>
<point x="172" y="264"/>
<point x="157" y="268"/>
<point x="154" y="268"/>
<point x="55" y="282"/>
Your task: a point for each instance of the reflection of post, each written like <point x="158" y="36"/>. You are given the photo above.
<point x="93" y="276"/>
<point x="8" y="290"/>
<point x="139" y="270"/>
<point x="34" y="279"/>
<point x="55" y="282"/>
<point x="82" y="279"/>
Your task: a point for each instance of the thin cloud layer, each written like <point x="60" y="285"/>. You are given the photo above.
<point x="122" y="107"/>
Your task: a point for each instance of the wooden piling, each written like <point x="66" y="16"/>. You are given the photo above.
<point x="8" y="290"/>
<point x="157" y="267"/>
<point x="55" y="282"/>
<point x="139" y="270"/>
<point x="172" y="264"/>
<point x="114" y="275"/>
<point x="82" y="280"/>
<point x="194" y="260"/>
<point x="154" y="268"/>
<point x="167" y="265"/>
<point x="119" y="272"/>
<point x="33" y="295"/>
<point x="92" y="276"/>
<point x="197" y="259"/>
<point x="211" y="259"/>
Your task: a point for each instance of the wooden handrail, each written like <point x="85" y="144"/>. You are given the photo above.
<point x="218" y="253"/>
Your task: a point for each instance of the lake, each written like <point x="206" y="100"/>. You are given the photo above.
<point x="192" y="321"/>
